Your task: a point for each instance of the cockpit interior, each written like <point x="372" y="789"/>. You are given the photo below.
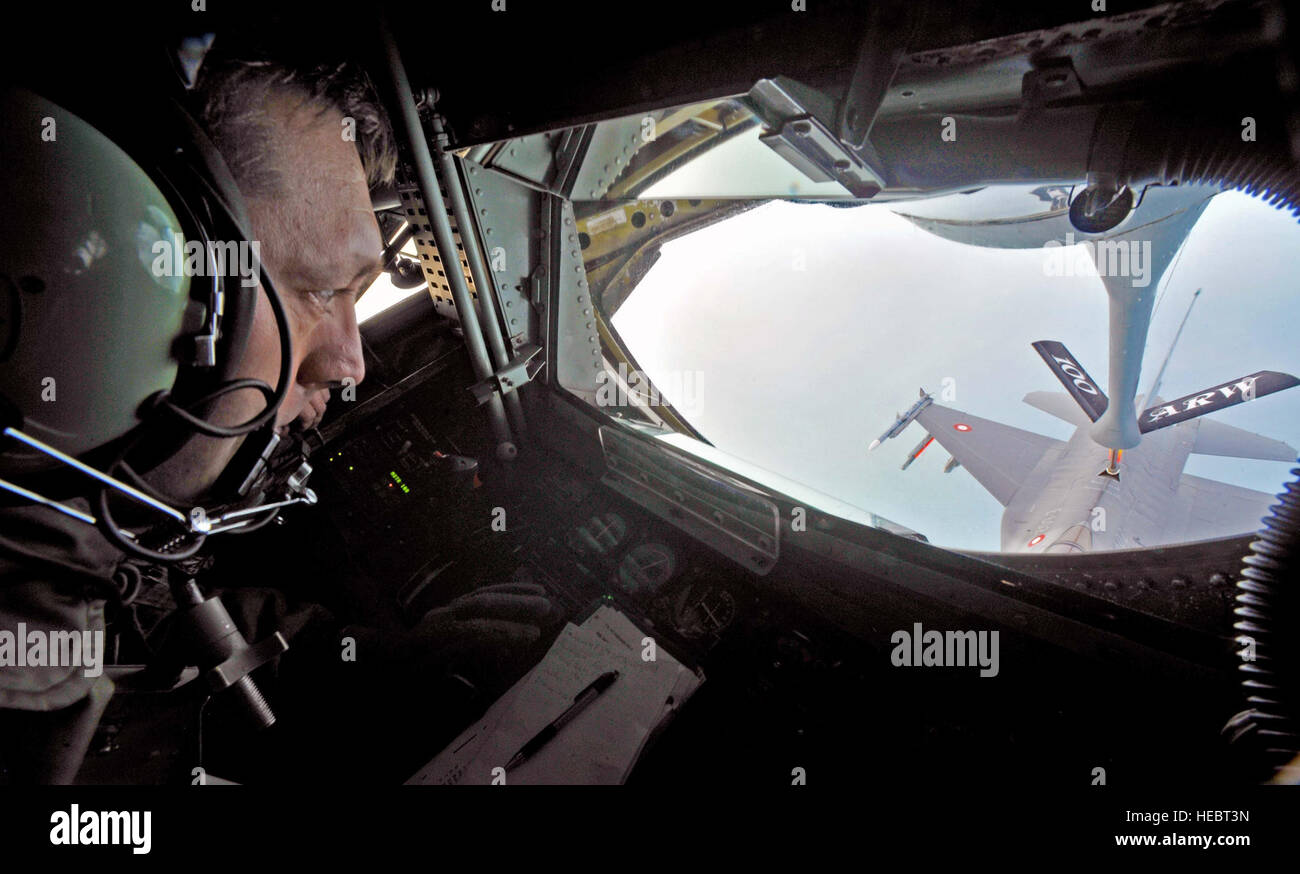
<point x="514" y="426"/>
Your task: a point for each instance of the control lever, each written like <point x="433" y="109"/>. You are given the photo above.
<point x="224" y="657"/>
<point x="460" y="471"/>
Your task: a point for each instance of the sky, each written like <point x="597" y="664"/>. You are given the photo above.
<point x="806" y="328"/>
<point x="382" y="294"/>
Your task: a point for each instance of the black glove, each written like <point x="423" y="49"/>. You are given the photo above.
<point x="491" y="627"/>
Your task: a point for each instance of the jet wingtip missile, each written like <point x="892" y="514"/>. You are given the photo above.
<point x="902" y="420"/>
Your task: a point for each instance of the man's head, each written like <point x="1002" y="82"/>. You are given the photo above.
<point x="305" y="145"/>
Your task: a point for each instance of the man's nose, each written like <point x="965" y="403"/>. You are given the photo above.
<point x="335" y="356"/>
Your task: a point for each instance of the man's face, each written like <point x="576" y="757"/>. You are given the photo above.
<point x="321" y="245"/>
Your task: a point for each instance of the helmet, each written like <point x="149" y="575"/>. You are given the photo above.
<point x="88" y="325"/>
<point x="121" y="321"/>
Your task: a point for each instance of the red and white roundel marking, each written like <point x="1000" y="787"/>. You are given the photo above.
<point x="1037" y="540"/>
<point x="961" y="426"/>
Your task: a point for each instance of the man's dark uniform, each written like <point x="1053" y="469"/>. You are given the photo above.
<point x="372" y="719"/>
<point x="53" y="574"/>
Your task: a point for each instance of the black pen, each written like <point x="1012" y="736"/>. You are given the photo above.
<point x="580" y="702"/>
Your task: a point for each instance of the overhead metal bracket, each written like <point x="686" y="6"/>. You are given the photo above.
<point x="510" y="377"/>
<point x="537" y="286"/>
<point x="1052" y="81"/>
<point x="802" y="139"/>
<point x="891" y="26"/>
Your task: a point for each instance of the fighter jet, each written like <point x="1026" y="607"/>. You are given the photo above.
<point x="1068" y="496"/>
<point x="1126" y="240"/>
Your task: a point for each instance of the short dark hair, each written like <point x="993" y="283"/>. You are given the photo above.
<point x="232" y="92"/>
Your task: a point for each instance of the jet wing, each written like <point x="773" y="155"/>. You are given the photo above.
<point x="1216" y="438"/>
<point x="1210" y="508"/>
<point x="999" y="456"/>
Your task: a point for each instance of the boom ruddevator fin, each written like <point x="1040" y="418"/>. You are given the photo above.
<point x="1091" y="399"/>
<point x="1227" y="394"/>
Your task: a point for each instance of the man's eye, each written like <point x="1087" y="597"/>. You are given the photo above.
<point x="324" y="296"/>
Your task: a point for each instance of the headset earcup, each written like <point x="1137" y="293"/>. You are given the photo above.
<point x="240" y="299"/>
<point x="199" y="177"/>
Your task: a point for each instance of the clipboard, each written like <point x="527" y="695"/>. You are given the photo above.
<point x="603" y="743"/>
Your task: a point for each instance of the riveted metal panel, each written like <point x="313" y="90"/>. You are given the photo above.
<point x="612" y="145"/>
<point x="507" y="211"/>
<point x="575" y="341"/>
<point x="531" y="157"/>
